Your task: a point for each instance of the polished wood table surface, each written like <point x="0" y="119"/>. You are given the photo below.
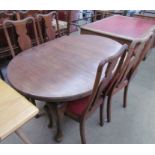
<point x="120" y="28"/>
<point x="60" y="70"/>
<point x="15" y="110"/>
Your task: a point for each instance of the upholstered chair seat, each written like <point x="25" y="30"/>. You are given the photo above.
<point x="62" y="24"/>
<point x="77" y="107"/>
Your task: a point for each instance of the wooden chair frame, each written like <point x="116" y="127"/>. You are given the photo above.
<point x="4" y="49"/>
<point x="24" y="40"/>
<point x="29" y="13"/>
<point x="109" y="68"/>
<point x="6" y="15"/>
<point x="49" y="29"/>
<point x="137" y="52"/>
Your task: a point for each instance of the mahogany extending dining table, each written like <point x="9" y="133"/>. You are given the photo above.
<point x="123" y="29"/>
<point x="60" y="70"/>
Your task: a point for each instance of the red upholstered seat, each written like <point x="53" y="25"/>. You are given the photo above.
<point x="78" y="106"/>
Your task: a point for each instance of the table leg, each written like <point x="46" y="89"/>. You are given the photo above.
<point x="49" y="114"/>
<point x="58" y="109"/>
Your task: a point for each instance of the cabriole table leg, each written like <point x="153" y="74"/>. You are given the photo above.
<point x="58" y="109"/>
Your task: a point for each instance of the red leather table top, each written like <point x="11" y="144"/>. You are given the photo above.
<point x="127" y="27"/>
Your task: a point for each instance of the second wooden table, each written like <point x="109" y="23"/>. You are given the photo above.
<point x="123" y="29"/>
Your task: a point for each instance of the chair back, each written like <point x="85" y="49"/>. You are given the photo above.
<point x="4" y="49"/>
<point x="105" y="75"/>
<point x="5" y="15"/>
<point x="66" y="16"/>
<point x="137" y="52"/>
<point x="150" y="43"/>
<point x="23" y="39"/>
<point x="144" y="16"/>
<point x="29" y="13"/>
<point x="46" y="30"/>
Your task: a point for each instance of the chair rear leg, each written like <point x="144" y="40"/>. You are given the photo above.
<point x="109" y="108"/>
<point x="82" y="132"/>
<point x="20" y="133"/>
<point x="102" y="113"/>
<point x="125" y="96"/>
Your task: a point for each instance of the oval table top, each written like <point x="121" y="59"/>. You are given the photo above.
<point x="60" y="70"/>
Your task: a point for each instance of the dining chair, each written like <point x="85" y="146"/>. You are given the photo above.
<point x="65" y="18"/>
<point x="82" y="109"/>
<point x="137" y="52"/>
<point x="23" y="38"/>
<point x="48" y="30"/>
<point x="100" y="14"/>
<point x="152" y="43"/>
<point x="4" y="49"/>
<point x="15" y="111"/>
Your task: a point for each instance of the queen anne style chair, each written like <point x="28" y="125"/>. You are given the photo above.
<point x="100" y="14"/>
<point x="137" y="52"/>
<point x="4" y="49"/>
<point x="81" y="109"/>
<point x="23" y="39"/>
<point x="47" y="29"/>
<point x="15" y="111"/>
